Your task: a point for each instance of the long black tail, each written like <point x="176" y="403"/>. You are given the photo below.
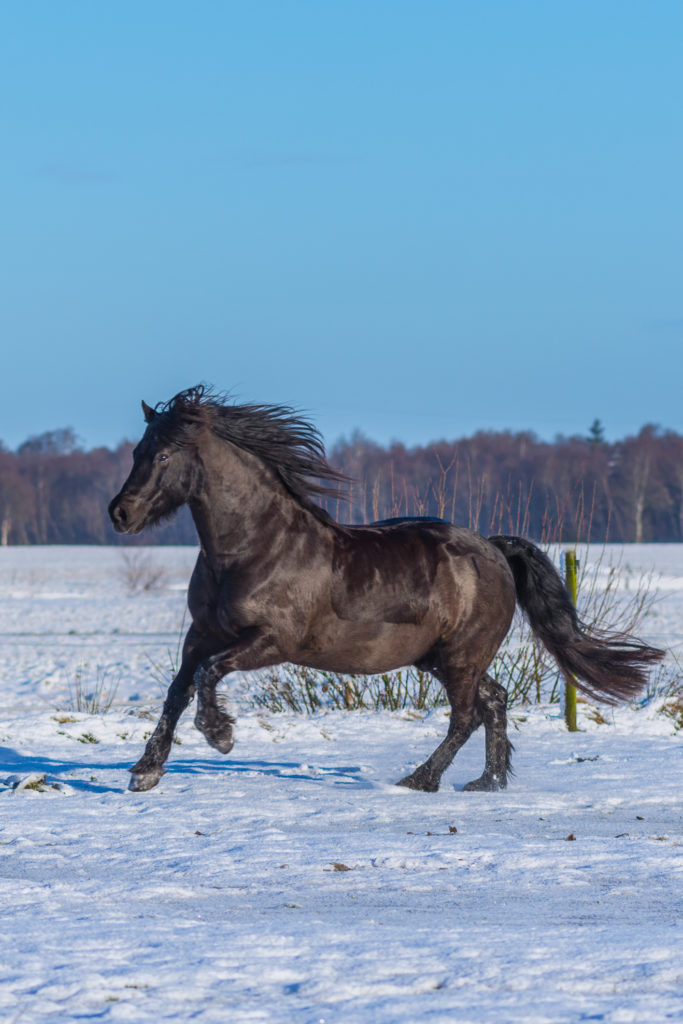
<point x="609" y="667"/>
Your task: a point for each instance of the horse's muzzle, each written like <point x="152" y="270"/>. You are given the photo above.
<point x="121" y="518"/>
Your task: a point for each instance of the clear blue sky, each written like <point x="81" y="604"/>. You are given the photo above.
<point x="418" y="219"/>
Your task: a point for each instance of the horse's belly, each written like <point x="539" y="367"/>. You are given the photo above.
<point x="368" y="648"/>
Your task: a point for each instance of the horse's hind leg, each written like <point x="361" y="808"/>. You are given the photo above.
<point x="465" y="718"/>
<point x="491" y="704"/>
<point x="428" y="776"/>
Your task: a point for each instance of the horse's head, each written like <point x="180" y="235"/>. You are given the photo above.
<point x="166" y="472"/>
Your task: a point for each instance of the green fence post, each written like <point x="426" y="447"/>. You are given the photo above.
<point x="569" y="688"/>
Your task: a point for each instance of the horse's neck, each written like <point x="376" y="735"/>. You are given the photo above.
<point x="241" y="506"/>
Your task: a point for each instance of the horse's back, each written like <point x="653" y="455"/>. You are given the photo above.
<point x="403" y="567"/>
<point x="456" y="541"/>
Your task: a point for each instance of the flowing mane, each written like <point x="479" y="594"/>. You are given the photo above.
<point x="276" y="434"/>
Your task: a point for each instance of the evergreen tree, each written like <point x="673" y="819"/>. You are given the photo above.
<point x="596" y="433"/>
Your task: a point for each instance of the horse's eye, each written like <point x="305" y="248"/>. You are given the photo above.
<point x="162" y="457"/>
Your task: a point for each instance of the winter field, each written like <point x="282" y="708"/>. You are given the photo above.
<point x="291" y="881"/>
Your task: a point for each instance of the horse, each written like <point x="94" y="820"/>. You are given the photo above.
<point x="278" y="579"/>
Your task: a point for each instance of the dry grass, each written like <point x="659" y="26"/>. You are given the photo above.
<point x="305" y="691"/>
<point x="93" y="697"/>
<point x="673" y="709"/>
<point x="140" y="573"/>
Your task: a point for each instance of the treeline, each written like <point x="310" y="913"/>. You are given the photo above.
<point x="575" y="488"/>
<point x="53" y="492"/>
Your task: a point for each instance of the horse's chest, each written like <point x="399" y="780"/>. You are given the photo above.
<point x="212" y="610"/>
<point x="240" y="605"/>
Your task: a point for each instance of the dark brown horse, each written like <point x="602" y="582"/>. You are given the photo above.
<point x="278" y="580"/>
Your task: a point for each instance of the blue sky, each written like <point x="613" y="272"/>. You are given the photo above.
<point x="414" y="219"/>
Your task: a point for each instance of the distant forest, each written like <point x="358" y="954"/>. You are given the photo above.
<point x="54" y="492"/>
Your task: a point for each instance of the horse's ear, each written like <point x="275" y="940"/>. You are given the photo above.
<point x="148" y="412"/>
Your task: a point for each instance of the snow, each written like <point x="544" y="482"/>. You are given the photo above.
<point x="291" y="881"/>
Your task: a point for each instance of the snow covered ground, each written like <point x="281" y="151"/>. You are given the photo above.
<point x="291" y="881"/>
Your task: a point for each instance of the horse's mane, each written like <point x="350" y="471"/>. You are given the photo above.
<point x="276" y="434"/>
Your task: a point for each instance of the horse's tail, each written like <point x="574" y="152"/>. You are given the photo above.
<point x="610" y="667"/>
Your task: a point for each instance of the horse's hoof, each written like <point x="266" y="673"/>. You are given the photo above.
<point x="485" y="784"/>
<point x="222" y="743"/>
<point x="420" y="782"/>
<point x="217" y="734"/>
<point x="140" y="781"/>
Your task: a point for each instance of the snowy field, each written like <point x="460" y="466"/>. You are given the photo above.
<point x="291" y="881"/>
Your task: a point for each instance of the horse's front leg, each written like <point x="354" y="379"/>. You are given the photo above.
<point x="149" y="769"/>
<point x="252" y="649"/>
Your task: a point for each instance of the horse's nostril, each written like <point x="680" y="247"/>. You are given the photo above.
<point x="120" y="514"/>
